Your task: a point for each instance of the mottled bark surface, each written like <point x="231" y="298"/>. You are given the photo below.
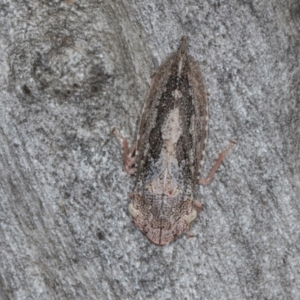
<point x="72" y="71"/>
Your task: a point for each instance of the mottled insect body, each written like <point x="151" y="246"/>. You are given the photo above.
<point x="170" y="149"/>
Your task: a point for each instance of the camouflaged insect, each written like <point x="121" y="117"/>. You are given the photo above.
<point x="170" y="149"/>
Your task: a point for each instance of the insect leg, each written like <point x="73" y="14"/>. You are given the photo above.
<point x="129" y="158"/>
<point x="209" y="178"/>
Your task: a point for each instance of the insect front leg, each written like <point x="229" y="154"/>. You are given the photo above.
<point x="209" y="178"/>
<point x="128" y="155"/>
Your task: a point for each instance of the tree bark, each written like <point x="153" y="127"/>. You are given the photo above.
<point x="71" y="72"/>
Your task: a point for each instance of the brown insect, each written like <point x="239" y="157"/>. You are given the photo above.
<point x="170" y="149"/>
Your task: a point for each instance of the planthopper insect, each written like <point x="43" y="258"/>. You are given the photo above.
<point x="169" y="150"/>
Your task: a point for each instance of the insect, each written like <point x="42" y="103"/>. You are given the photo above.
<point x="169" y="150"/>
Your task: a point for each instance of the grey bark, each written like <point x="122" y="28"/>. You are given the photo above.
<point x="71" y="72"/>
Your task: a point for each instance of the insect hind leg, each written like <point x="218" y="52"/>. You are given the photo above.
<point x="207" y="180"/>
<point x="128" y="155"/>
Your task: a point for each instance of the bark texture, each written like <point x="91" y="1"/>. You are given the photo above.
<point x="73" y="70"/>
